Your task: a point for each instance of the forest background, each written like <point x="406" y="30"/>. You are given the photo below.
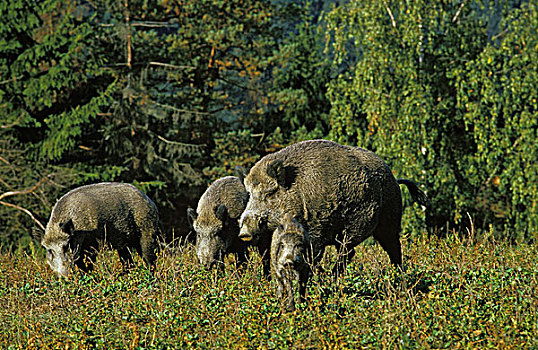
<point x="171" y="95"/>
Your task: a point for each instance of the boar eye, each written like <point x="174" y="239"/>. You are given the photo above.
<point x="269" y="192"/>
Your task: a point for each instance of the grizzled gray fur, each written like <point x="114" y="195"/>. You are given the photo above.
<point x="289" y="267"/>
<point x="340" y="194"/>
<point x="115" y="213"/>
<point x="216" y="222"/>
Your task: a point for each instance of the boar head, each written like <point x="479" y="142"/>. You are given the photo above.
<point x="291" y="242"/>
<point x="62" y="247"/>
<point x="265" y="185"/>
<point x="212" y="241"/>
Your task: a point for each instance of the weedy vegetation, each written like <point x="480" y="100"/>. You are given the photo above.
<point x="454" y="293"/>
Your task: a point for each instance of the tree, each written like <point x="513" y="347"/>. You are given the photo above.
<point x="130" y="91"/>
<point x="411" y="87"/>
<point x="294" y="105"/>
<point x="47" y="75"/>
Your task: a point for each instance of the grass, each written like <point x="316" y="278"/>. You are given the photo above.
<point x="453" y="294"/>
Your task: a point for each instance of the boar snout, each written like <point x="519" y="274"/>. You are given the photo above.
<point x="61" y="257"/>
<point x="250" y="226"/>
<point x="245" y="235"/>
<point x="210" y="264"/>
<point x="61" y="268"/>
<point x="211" y="253"/>
<point x="289" y="261"/>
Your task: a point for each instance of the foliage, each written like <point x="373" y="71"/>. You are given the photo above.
<point x="300" y="81"/>
<point x="441" y="91"/>
<point x="454" y="293"/>
<point x="171" y="95"/>
<point x="295" y="106"/>
<point x="48" y="95"/>
<point x="130" y="91"/>
<point x="499" y="102"/>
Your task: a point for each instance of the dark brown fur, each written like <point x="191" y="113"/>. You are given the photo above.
<point x="340" y="194"/>
<point x="289" y="267"/>
<point x="216" y="222"/>
<point x="115" y="213"/>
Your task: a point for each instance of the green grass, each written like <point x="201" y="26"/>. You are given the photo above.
<point x="453" y="294"/>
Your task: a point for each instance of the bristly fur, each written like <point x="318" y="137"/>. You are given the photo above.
<point x="216" y="222"/>
<point x="340" y="194"/>
<point x="417" y="195"/>
<point x="289" y="267"/>
<point x="115" y="213"/>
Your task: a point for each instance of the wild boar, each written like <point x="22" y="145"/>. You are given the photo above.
<point x="215" y="222"/>
<point x="289" y="248"/>
<point x="117" y="214"/>
<point x="341" y="195"/>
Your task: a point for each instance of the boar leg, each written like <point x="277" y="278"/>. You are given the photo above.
<point x="280" y="287"/>
<point x="264" y="249"/>
<point x="148" y="247"/>
<point x="345" y="254"/>
<point x="289" y="298"/>
<point x="85" y="261"/>
<point x="303" y="280"/>
<point x="126" y="258"/>
<point x="387" y="232"/>
<point x="241" y="259"/>
<point x="392" y="246"/>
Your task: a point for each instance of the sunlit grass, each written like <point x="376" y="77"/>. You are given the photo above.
<point x="454" y="293"/>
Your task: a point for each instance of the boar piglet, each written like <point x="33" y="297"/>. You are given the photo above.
<point x="215" y="222"/>
<point x="289" y="267"/>
<point x="117" y="214"/>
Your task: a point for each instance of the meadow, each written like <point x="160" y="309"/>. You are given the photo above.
<point x="455" y="293"/>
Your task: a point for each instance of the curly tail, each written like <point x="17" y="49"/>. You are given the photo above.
<point x="417" y="195"/>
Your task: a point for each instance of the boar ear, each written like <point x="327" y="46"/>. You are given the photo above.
<point x="37" y="233"/>
<point x="241" y="173"/>
<point x="288" y="219"/>
<point x="276" y="170"/>
<point x="68" y="227"/>
<point x="191" y="216"/>
<point x="221" y="212"/>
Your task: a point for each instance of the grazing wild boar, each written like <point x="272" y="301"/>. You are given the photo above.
<point x="114" y="213"/>
<point x="340" y="194"/>
<point x="216" y="222"/>
<point x="289" y="267"/>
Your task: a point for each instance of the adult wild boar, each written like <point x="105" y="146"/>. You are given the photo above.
<point x="114" y="213"/>
<point x="290" y="246"/>
<point x="340" y="194"/>
<point x="215" y="222"/>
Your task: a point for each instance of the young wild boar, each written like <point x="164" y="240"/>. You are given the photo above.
<point x="340" y="194"/>
<point x="216" y="222"/>
<point x="114" y="213"/>
<point x="289" y="268"/>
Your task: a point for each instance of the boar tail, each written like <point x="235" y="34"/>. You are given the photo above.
<point x="417" y="195"/>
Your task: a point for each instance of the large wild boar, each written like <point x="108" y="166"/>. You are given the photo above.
<point x="216" y="222"/>
<point x="340" y="194"/>
<point x="289" y="249"/>
<point x="113" y="213"/>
